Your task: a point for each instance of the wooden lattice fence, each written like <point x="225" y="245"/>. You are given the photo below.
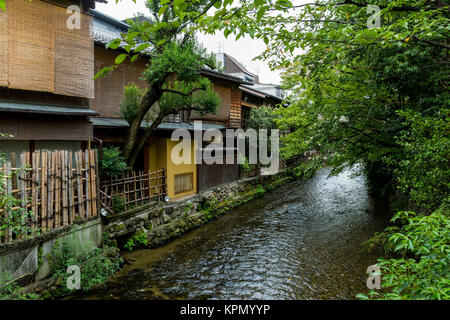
<point x="132" y="189"/>
<point x="56" y="188"/>
<point x="252" y="172"/>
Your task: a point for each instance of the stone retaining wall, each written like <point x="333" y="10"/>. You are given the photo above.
<point x="164" y="222"/>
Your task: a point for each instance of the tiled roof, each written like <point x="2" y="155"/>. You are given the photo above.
<point x="104" y="36"/>
<point x="258" y="92"/>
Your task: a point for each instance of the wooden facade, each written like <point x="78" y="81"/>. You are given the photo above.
<point x="41" y="53"/>
<point x="109" y="90"/>
<point x="45" y="127"/>
<point x="235" y="109"/>
<point x="212" y="175"/>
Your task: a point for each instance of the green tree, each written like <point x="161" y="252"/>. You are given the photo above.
<point x="372" y="95"/>
<point x="112" y="163"/>
<point x="352" y="86"/>
<point x="173" y="75"/>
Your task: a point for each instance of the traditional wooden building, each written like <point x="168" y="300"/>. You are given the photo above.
<point x="49" y="100"/>
<point x="45" y="76"/>
<point x="252" y="94"/>
<point x="109" y="128"/>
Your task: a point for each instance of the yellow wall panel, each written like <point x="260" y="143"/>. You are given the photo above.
<point x="159" y="154"/>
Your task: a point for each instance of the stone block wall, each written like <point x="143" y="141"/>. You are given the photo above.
<point x="164" y="222"/>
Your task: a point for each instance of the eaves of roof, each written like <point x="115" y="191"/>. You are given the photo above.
<point x="239" y="65"/>
<point x="223" y="76"/>
<point x="106" y="18"/>
<point x="8" y="106"/>
<point x="120" y="123"/>
<point x="258" y="93"/>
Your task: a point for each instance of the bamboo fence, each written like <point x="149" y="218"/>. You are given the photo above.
<point x="57" y="188"/>
<point x="133" y="189"/>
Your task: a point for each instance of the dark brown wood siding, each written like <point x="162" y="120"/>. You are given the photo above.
<point x="213" y="175"/>
<point x="40" y="127"/>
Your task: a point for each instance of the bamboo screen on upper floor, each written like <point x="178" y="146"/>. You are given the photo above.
<point x="42" y="54"/>
<point x="3" y="49"/>
<point x="109" y="91"/>
<point x="223" y="109"/>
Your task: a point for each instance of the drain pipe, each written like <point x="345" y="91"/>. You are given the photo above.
<point x="100" y="154"/>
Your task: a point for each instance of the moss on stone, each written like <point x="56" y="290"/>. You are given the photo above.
<point x="118" y="227"/>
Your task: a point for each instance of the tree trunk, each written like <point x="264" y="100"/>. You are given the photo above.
<point x="138" y="145"/>
<point x="150" y="98"/>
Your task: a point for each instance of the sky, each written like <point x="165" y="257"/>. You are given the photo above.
<point x="244" y="50"/>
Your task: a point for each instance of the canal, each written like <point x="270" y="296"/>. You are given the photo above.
<point x="301" y="241"/>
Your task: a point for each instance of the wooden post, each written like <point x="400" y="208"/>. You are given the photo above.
<point x="44" y="189"/>
<point x="34" y="189"/>
<point x="64" y="175"/>
<point x="7" y="171"/>
<point x="58" y="176"/>
<point x="50" y="181"/>
<point x="86" y="173"/>
<point x="135" y="187"/>
<point x="93" y="182"/>
<point x="22" y="185"/>
<point x="70" y="182"/>
<point x="78" y="157"/>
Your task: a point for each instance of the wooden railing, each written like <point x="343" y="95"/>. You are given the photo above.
<point x="55" y="188"/>
<point x="132" y="189"/>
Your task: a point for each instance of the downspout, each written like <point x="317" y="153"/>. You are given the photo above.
<point x="100" y="154"/>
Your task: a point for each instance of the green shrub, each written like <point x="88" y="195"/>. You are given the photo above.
<point x="139" y="238"/>
<point x="421" y="267"/>
<point x="245" y="165"/>
<point x="95" y="268"/>
<point x="112" y="162"/>
<point x="12" y="216"/>
<point x="118" y="204"/>
<point x="10" y="290"/>
<point x="130" y="103"/>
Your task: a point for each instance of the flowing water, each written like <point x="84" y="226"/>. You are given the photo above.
<point x="301" y="241"/>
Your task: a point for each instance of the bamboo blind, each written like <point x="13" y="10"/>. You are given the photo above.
<point x="60" y="188"/>
<point x="43" y="54"/>
<point x="74" y="57"/>
<point x="30" y="44"/>
<point x="223" y="109"/>
<point x="183" y="182"/>
<point x="4" y="46"/>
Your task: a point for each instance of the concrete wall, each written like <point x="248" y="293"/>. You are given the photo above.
<point x="27" y="260"/>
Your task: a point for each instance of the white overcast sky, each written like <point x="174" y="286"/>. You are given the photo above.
<point x="244" y="49"/>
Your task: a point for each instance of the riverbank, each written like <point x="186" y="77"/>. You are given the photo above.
<point x="302" y="241"/>
<point x="154" y="225"/>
